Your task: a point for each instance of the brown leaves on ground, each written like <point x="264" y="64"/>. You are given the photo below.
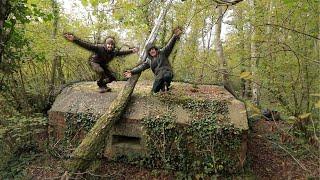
<point x="268" y="158"/>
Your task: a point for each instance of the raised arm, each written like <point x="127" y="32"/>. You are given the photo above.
<point x="168" y="48"/>
<point x="81" y="43"/>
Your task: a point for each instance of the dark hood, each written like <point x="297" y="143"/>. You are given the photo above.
<point x="150" y="46"/>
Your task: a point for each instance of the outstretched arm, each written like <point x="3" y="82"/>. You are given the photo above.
<point x="81" y="43"/>
<point x="126" y="52"/>
<point x="145" y="65"/>
<point x="136" y="70"/>
<point x="168" y="48"/>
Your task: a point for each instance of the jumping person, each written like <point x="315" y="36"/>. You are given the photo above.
<point x="157" y="60"/>
<point x="103" y="54"/>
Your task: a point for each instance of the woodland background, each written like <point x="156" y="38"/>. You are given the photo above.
<point x="269" y="55"/>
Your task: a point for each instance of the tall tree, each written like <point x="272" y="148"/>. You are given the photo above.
<point x="56" y="70"/>
<point x="241" y="36"/>
<point x="206" y="45"/>
<point x="254" y="56"/>
<point x="219" y="50"/>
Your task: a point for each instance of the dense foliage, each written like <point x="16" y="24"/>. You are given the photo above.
<point x="202" y="149"/>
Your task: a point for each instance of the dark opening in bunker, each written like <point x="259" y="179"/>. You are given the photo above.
<point x="118" y="139"/>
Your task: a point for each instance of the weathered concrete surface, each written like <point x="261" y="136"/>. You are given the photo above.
<point x="128" y="135"/>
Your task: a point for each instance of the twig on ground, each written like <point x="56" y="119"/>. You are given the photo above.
<point x="296" y="160"/>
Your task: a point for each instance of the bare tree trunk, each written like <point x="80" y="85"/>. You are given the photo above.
<point x="54" y="34"/>
<point x="270" y="16"/>
<point x="61" y="78"/>
<point x="244" y="84"/>
<point x="254" y="59"/>
<point x="99" y="15"/>
<point x="56" y="70"/>
<point x="93" y="143"/>
<point x="206" y="47"/>
<point x="219" y="49"/>
<point x="203" y="34"/>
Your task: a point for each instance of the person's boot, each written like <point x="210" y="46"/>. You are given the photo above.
<point x="104" y="89"/>
<point x="108" y="89"/>
<point x="163" y="89"/>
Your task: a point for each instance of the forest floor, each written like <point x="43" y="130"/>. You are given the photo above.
<point x="269" y="156"/>
<point x="274" y="154"/>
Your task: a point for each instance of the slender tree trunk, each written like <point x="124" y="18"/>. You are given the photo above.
<point x="61" y="78"/>
<point x="56" y="70"/>
<point x="97" y="36"/>
<point x="271" y="4"/>
<point x="59" y="65"/>
<point x="203" y="34"/>
<point x="54" y="34"/>
<point x="254" y="59"/>
<point x="206" y="47"/>
<point x="247" y="47"/>
<point x="219" y="49"/>
<point x="93" y="143"/>
<point x="244" y="84"/>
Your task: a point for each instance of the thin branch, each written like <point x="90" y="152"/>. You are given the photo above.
<point x="296" y="160"/>
<point x="190" y="20"/>
<point x="277" y="25"/>
<point x="194" y="14"/>
<point x="221" y="16"/>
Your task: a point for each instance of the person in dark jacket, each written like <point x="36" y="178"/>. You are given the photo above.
<point x="157" y="60"/>
<point x="103" y="54"/>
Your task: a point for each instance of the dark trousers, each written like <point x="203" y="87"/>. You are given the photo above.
<point x="105" y="74"/>
<point x="163" y="78"/>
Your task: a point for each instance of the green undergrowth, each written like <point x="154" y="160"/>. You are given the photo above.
<point x="204" y="147"/>
<point x="21" y="139"/>
<point x="77" y="126"/>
